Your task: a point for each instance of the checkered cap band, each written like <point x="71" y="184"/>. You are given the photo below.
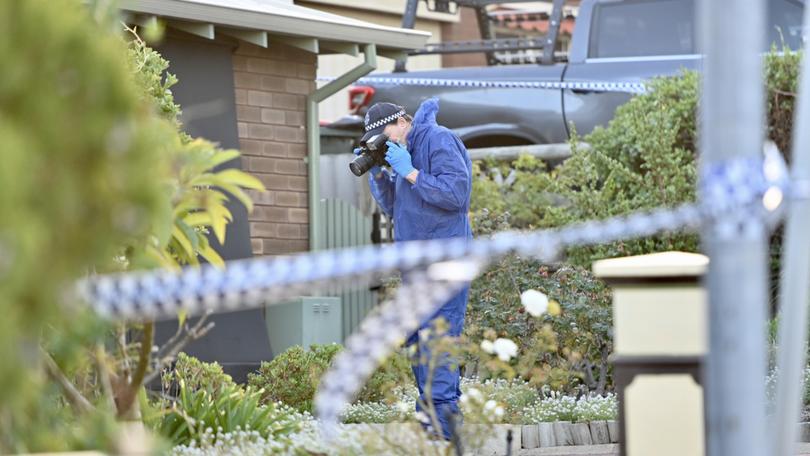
<point x="385" y="120"/>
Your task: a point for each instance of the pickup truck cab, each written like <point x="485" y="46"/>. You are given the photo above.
<point x="613" y="41"/>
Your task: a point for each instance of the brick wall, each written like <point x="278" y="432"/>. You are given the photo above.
<point x="271" y="88"/>
<point x="465" y="29"/>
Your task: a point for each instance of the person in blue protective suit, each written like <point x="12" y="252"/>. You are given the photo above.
<point x="427" y="193"/>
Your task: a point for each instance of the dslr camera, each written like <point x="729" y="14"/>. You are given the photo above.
<point x="372" y="153"/>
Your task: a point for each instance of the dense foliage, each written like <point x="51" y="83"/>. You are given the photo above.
<point x="644" y="158"/>
<point x="293" y="376"/>
<point x="80" y="155"/>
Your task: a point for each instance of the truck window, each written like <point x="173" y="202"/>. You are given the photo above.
<point x="637" y="28"/>
<point x="642" y="28"/>
<point x="785" y="21"/>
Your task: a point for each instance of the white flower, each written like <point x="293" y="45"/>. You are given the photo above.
<point x="505" y="349"/>
<point x="490" y="405"/>
<point x="475" y="395"/>
<point x="487" y="346"/>
<point x="404" y="407"/>
<point x="499" y="411"/>
<point x="535" y="302"/>
<point x="421" y="417"/>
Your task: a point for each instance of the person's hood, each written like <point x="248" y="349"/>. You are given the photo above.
<point x="424" y="118"/>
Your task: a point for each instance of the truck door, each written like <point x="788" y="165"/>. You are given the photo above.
<point x="627" y="41"/>
<point x="635" y="40"/>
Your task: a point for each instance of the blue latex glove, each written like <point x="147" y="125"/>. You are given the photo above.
<point x="375" y="170"/>
<point x="398" y="157"/>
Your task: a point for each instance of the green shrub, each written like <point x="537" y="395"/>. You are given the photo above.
<point x="644" y="158"/>
<point x="582" y="328"/>
<point x="80" y="153"/>
<point x="197" y="374"/>
<point x="293" y="376"/>
<point x="229" y="408"/>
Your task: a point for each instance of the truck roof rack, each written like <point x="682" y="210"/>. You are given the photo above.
<point x="498" y="44"/>
<point x="488" y="44"/>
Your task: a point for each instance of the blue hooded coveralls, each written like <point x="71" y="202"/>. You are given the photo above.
<point x="435" y="207"/>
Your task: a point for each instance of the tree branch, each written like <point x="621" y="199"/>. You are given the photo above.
<point x="197" y="332"/>
<point x="79" y="402"/>
<point x="135" y="383"/>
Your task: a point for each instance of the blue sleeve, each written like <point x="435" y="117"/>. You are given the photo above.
<point x="449" y="183"/>
<point x="382" y="189"/>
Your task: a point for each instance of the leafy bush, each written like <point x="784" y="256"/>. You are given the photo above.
<point x="643" y="159"/>
<point x="293" y="376"/>
<point x="80" y="154"/>
<point x="197" y="375"/>
<point x="582" y="329"/>
<point x="229" y="408"/>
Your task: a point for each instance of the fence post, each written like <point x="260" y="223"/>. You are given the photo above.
<point x="793" y="297"/>
<point x="732" y="39"/>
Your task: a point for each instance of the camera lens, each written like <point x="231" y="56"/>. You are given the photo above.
<point x="361" y="164"/>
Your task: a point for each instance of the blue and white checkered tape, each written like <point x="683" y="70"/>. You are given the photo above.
<point x="591" y="86"/>
<point x="734" y="188"/>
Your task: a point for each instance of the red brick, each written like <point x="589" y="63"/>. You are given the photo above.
<point x="275" y="149"/>
<point x="239" y="63"/>
<point x="290" y="199"/>
<point x="241" y="96"/>
<point x="259" y="131"/>
<point x="260" y="164"/>
<point x="249" y="49"/>
<point x="264" y="230"/>
<point x="298" y="183"/>
<point x="274" y="181"/>
<point x="280" y="246"/>
<point x="273" y="116"/>
<point x="286" y="68"/>
<point x="258" y="65"/>
<point x="297" y="150"/>
<point x="296" y="167"/>
<point x="243" y="80"/>
<point x="299" y="86"/>
<point x="298" y="215"/>
<point x="248" y="114"/>
<point x="286" y="101"/>
<point x="294" y="118"/>
<point x="306" y="71"/>
<point x="251" y="147"/>
<point x="261" y="198"/>
<point x="289" y="134"/>
<point x="270" y="214"/>
<point x="288" y="231"/>
<point x="256" y="246"/>
<point x="257" y="98"/>
<point x="274" y="84"/>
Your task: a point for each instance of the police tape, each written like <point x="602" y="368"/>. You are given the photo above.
<point x="741" y="192"/>
<point x="584" y="86"/>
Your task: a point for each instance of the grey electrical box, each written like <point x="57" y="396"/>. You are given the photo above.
<point x="304" y="321"/>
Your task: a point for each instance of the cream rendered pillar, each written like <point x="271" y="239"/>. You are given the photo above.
<point x="660" y="338"/>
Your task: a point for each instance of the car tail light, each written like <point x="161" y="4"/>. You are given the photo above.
<point x="359" y="97"/>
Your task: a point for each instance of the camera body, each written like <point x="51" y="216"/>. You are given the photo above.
<point x="372" y="153"/>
